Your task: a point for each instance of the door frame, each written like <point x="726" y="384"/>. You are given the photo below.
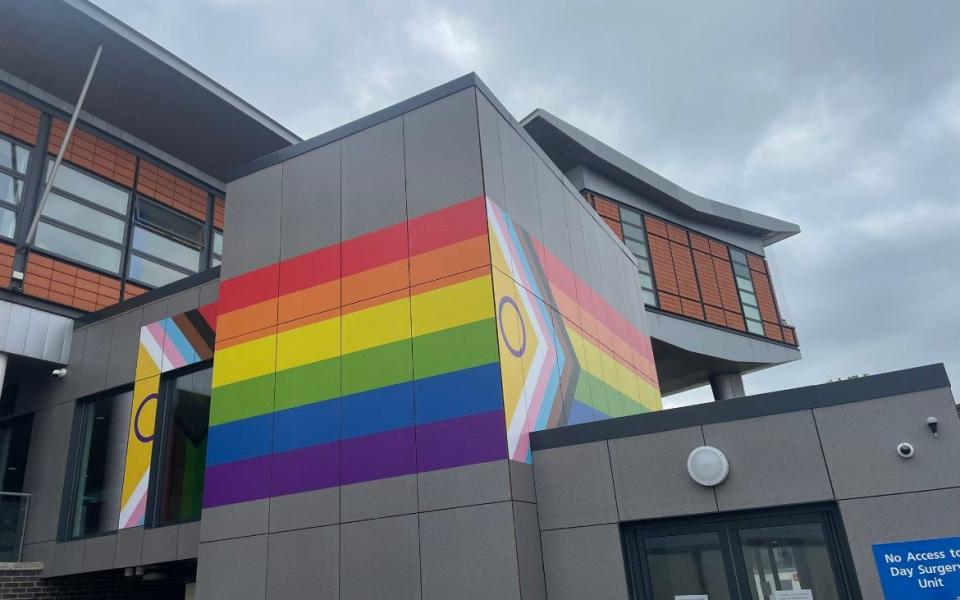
<point x="826" y="514"/>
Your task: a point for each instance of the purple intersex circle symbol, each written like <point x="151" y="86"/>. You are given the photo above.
<point x="136" y="420"/>
<point x="518" y="352"/>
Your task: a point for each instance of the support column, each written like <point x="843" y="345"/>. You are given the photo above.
<point x="726" y="386"/>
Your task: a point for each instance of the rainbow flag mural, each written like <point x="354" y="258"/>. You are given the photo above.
<point x="165" y="345"/>
<point x="372" y="358"/>
<point x="555" y="373"/>
<point x="438" y="342"/>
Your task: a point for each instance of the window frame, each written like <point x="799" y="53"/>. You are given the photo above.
<point x="17" y="208"/>
<point x="170" y="236"/>
<point x="641" y="260"/>
<point x="165" y="414"/>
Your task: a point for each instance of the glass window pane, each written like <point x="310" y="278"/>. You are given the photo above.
<point x="687" y="565"/>
<point x="14" y="444"/>
<point x="8" y="222"/>
<point x="14" y="156"/>
<point x="747" y="298"/>
<point x="92" y="189"/>
<point x="646" y="281"/>
<point x="741" y="270"/>
<point x="218" y="243"/>
<point x="643" y="265"/>
<point x="184" y="448"/>
<point x="151" y="273"/>
<point x="745" y="284"/>
<point x="754" y="327"/>
<point x="100" y="455"/>
<point x="169" y="221"/>
<point x="738" y="256"/>
<point x="73" y="213"/>
<point x="167" y="249"/>
<point x="634" y="232"/>
<point x="634" y="217"/>
<point x="214" y="262"/>
<point x="751" y="312"/>
<point x="637" y="247"/>
<point x="788" y="558"/>
<point x="10" y="189"/>
<point x="71" y="245"/>
<point x="649" y="297"/>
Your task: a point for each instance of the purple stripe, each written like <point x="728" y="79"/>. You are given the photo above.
<point x="237" y="482"/>
<point x="463" y="441"/>
<point x="303" y="469"/>
<point x="378" y="456"/>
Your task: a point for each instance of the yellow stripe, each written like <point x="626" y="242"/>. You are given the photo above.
<point x="451" y="306"/>
<point x="308" y="344"/>
<point x="245" y="361"/>
<point x="376" y="326"/>
<point x="602" y="365"/>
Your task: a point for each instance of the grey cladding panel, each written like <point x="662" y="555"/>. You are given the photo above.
<point x="252" y="222"/>
<point x="469" y="553"/>
<point x="464" y="486"/>
<point x="520" y="182"/>
<point x="124" y="345"/>
<point x="442" y="153"/>
<point x="96" y="358"/>
<point x="183" y="301"/>
<point x="392" y="544"/>
<point x="46" y="468"/>
<point x="758" y="450"/>
<point x="128" y="547"/>
<point x="234" y="520"/>
<point x="188" y="540"/>
<point x="160" y="544"/>
<point x="584" y="562"/>
<point x="868" y="464"/>
<point x="98" y="553"/>
<point x="233" y="569"/>
<point x="154" y="312"/>
<point x="529" y="555"/>
<point x="209" y="292"/>
<point x="379" y="498"/>
<point x="311" y="201"/>
<point x="68" y="558"/>
<point x="574" y="486"/>
<point x="307" y="509"/>
<point x="552" y="215"/>
<point x="372" y="193"/>
<point x="304" y="564"/>
<point x="489" y="121"/>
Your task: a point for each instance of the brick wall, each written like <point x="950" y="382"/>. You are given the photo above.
<point x="219" y="206"/>
<point x="18" y="119"/>
<point x="167" y="188"/>
<point x="95" y="154"/>
<point x="63" y="283"/>
<point x="6" y="264"/>
<point x="22" y="582"/>
<point x="694" y="276"/>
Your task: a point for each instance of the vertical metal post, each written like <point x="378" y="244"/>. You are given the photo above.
<point x="32" y="232"/>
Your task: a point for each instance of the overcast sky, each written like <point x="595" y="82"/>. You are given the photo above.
<point x="842" y="117"/>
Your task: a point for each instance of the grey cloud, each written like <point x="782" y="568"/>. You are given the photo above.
<point x="841" y="116"/>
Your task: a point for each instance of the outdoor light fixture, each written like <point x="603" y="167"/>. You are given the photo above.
<point x="708" y="466"/>
<point x="933" y="424"/>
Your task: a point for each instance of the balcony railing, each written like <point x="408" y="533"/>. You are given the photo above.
<point x="13" y="519"/>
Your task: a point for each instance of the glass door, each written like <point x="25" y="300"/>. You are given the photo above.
<point x="759" y="555"/>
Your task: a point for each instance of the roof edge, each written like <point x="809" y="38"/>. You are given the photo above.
<point x="92" y="11"/>
<point x="774" y="229"/>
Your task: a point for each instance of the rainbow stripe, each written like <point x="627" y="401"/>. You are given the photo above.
<point x="368" y="359"/>
<point x="566" y="355"/>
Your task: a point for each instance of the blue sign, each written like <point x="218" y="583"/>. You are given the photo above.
<point x="919" y="569"/>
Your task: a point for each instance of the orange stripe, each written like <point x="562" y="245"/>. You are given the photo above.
<point x="448" y="260"/>
<point x="247" y="337"/>
<point x="308" y="320"/>
<point x="247" y="319"/>
<point x="376" y="281"/>
<point x="452" y="280"/>
<point x="307" y="301"/>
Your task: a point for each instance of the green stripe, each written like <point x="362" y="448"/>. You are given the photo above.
<point x="454" y="349"/>
<point x="432" y="354"/>
<point x="594" y="392"/>
<point x="241" y="400"/>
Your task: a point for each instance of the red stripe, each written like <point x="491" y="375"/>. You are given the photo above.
<point x="250" y="288"/>
<point x="374" y="249"/>
<point x="310" y="269"/>
<point x="209" y="314"/>
<point x="448" y="226"/>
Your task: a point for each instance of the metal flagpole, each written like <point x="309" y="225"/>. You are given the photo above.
<point x="63" y="148"/>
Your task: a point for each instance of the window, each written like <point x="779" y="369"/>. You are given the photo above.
<point x="84" y="220"/>
<point x="635" y="238"/>
<point x="101" y="442"/>
<point x="165" y="246"/>
<point x="14" y="159"/>
<point x="14" y="444"/>
<point x="748" y="296"/>
<point x="217" y="255"/>
<point x="183" y="447"/>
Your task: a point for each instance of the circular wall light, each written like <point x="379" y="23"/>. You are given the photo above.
<point x="708" y="466"/>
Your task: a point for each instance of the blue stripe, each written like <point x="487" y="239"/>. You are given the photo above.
<point x="180" y="341"/>
<point x="581" y="413"/>
<point x="238" y="440"/>
<point x="459" y="394"/>
<point x="308" y="425"/>
<point x="378" y="410"/>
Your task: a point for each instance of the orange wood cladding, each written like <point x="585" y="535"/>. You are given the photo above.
<point x="93" y="153"/>
<point x="132" y="291"/>
<point x="63" y="283"/>
<point x="6" y="264"/>
<point x="18" y="119"/>
<point x="167" y="188"/>
<point x="694" y="276"/>
<point x="218" y="209"/>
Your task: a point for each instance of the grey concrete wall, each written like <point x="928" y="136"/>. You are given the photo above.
<point x="844" y="453"/>
<point x="103" y="356"/>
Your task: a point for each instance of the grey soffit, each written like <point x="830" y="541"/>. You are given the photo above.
<point x="195" y="280"/>
<point x="568" y="146"/>
<point x="894" y="383"/>
<point x="34" y="333"/>
<point x="50" y="44"/>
